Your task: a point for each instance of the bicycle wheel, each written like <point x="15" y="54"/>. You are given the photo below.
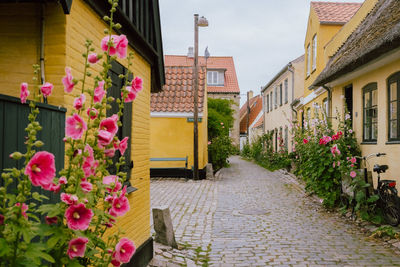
<point x="391" y="211"/>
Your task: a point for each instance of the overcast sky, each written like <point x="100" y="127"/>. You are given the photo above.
<point x="261" y="35"/>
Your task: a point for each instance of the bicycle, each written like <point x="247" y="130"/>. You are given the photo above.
<point x="385" y="190"/>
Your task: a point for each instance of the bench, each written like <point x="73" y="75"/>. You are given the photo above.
<point x="172" y="159"/>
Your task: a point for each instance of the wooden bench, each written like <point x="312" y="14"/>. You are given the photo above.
<point x="172" y="159"/>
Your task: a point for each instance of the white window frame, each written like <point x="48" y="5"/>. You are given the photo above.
<point x="308" y="60"/>
<point x="215" y="77"/>
<point x="314" y="52"/>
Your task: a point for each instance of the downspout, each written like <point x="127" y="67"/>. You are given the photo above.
<point x="42" y="27"/>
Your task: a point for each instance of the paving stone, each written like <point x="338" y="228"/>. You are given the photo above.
<point x="293" y="230"/>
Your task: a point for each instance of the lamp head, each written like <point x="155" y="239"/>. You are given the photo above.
<point x="202" y="22"/>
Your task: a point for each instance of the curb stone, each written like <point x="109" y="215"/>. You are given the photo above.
<point x="364" y="226"/>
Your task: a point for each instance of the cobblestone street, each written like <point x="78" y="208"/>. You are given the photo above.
<point x="252" y="217"/>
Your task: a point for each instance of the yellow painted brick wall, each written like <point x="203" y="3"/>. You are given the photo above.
<point x="19" y="45"/>
<point x="83" y="23"/>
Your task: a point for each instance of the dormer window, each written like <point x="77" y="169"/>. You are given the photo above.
<point x="215" y="77"/>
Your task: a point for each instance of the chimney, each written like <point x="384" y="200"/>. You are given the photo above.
<point x="250" y="94"/>
<point x="190" y="52"/>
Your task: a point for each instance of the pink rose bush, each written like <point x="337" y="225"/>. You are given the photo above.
<point x="91" y="196"/>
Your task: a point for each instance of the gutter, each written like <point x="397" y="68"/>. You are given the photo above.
<point x="294" y="103"/>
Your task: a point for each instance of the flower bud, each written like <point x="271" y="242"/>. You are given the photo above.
<point x="38" y="143"/>
<point x="16" y="155"/>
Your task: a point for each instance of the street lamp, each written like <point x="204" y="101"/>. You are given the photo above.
<point x="198" y="22"/>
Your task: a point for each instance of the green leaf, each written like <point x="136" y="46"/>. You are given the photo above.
<point x="74" y="264"/>
<point x="360" y="196"/>
<point x="45" y="256"/>
<point x="53" y="241"/>
<point x="373" y="198"/>
<point x="4" y="248"/>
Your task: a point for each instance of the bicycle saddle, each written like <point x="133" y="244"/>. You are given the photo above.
<point x="380" y="168"/>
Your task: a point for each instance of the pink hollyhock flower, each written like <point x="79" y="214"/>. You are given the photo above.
<point x="124" y="250"/>
<point x="324" y="140"/>
<point x="115" y="263"/>
<point x="305" y="141"/>
<point x="52" y="187"/>
<point x="353" y="174"/>
<point x="104" y="138"/>
<point x="137" y="84"/>
<point x="24" y="208"/>
<point x="1" y="219"/>
<point x="333" y="165"/>
<point x="121" y="45"/>
<point x="350" y="131"/>
<point x="131" y="94"/>
<point x="86" y="186"/>
<point x="347" y="116"/>
<point x="78" y="102"/>
<point x="75" y="126"/>
<point x="99" y="92"/>
<point x="335" y="137"/>
<point x="67" y="81"/>
<point x="109" y="152"/>
<point x="24" y="92"/>
<point x="109" y="199"/>
<point x="110" y="124"/>
<point x="335" y="150"/>
<point x="41" y="169"/>
<point x="113" y="184"/>
<point x="69" y="199"/>
<point x="105" y="46"/>
<point x="51" y="220"/>
<point x="62" y="180"/>
<point x="338" y="163"/>
<point x="353" y="160"/>
<point x="120" y="205"/>
<point x="340" y="133"/>
<point x="78" y="217"/>
<point x="123" y="145"/>
<point x="89" y="164"/>
<point x="92" y="113"/>
<point x="92" y="58"/>
<point x="46" y="89"/>
<point x="77" y="247"/>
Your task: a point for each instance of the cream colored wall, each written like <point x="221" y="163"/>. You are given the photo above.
<point x="235" y="132"/>
<point x="379" y="76"/>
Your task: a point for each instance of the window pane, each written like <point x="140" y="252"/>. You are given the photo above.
<point x="374" y="97"/>
<point x="393" y="91"/>
<point x="366" y="132"/>
<point x="215" y="77"/>
<point x="367" y="100"/>
<point x="393" y="111"/>
<point x="221" y="77"/>
<point x="393" y="129"/>
<point x="374" y="131"/>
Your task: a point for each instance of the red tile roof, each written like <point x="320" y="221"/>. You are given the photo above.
<point x="255" y="109"/>
<point x="231" y="83"/>
<point x="177" y="93"/>
<point x="260" y="122"/>
<point x="335" y="12"/>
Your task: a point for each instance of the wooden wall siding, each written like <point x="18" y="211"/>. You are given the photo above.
<point x="13" y="121"/>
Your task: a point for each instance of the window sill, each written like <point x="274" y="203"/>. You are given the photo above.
<point x="368" y="143"/>
<point x="129" y="188"/>
<point x="313" y="71"/>
<point x="393" y="142"/>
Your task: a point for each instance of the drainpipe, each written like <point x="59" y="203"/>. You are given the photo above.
<point x="292" y="71"/>
<point x="329" y="90"/>
<point x="42" y="27"/>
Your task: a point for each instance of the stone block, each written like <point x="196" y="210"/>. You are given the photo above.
<point x="163" y="226"/>
<point x="209" y="172"/>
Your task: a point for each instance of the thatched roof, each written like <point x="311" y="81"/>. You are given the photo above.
<point x="376" y="35"/>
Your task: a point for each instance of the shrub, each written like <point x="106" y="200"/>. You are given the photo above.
<point x="219" y="149"/>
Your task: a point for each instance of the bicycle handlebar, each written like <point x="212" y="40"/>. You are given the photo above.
<point x="372" y="155"/>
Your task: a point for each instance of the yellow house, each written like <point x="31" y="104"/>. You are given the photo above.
<point x="171" y="123"/>
<point x="52" y="34"/>
<point x="324" y="21"/>
<point x="363" y="74"/>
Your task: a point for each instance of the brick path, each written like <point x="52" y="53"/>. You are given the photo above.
<point x="252" y="217"/>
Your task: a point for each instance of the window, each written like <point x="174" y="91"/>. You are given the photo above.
<point x="286" y="137"/>
<point x="267" y="103"/>
<point x="314" y="52"/>
<point x="280" y="95"/>
<point x="308" y="60"/>
<point x="325" y="106"/>
<point x="370" y="112"/>
<point x="270" y="101"/>
<point x="126" y="119"/>
<point x="286" y="90"/>
<point x="276" y="97"/>
<point x="215" y="77"/>
<point x="393" y="91"/>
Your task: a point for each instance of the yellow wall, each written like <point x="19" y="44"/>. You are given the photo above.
<point x="173" y="138"/>
<point x="65" y="37"/>
<point x="379" y="76"/>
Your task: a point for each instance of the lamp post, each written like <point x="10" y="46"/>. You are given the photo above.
<point x="198" y="22"/>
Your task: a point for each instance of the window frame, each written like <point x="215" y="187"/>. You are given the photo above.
<point x="280" y="95"/>
<point x="314" y="53"/>
<point x="267" y="102"/>
<point x="394" y="78"/>
<point x="368" y="89"/>
<point x="219" y="75"/>
<point x="308" y="60"/>
<point x="276" y="97"/>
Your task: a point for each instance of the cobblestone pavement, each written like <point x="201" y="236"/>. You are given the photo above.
<point x="252" y="217"/>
